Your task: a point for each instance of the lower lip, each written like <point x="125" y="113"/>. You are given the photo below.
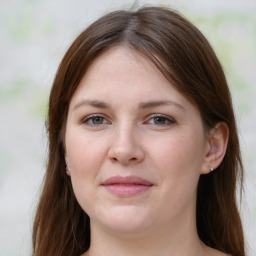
<point x="126" y="190"/>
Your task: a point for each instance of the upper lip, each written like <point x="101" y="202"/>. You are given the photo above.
<point x="118" y="180"/>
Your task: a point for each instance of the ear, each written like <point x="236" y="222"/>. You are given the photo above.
<point x="216" y="147"/>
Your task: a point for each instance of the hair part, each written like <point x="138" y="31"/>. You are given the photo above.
<point x="186" y="59"/>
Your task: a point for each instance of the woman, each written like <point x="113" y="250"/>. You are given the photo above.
<point x="144" y="156"/>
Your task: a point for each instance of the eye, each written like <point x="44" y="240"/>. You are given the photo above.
<point x="161" y="120"/>
<point x="95" y="120"/>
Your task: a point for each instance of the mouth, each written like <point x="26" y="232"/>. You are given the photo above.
<point x="126" y="186"/>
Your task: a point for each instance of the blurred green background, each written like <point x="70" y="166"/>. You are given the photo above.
<point x="34" y="36"/>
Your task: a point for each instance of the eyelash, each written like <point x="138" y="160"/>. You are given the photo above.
<point x="169" y="120"/>
<point x="89" y="120"/>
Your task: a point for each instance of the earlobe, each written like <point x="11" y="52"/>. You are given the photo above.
<point x="68" y="170"/>
<point x="216" y="148"/>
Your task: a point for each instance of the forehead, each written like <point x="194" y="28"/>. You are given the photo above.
<point x="123" y="61"/>
<point x="126" y="72"/>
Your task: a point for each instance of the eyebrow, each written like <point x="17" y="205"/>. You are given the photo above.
<point x="143" y="105"/>
<point x="151" y="104"/>
<point x="93" y="103"/>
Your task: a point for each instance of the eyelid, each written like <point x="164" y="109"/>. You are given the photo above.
<point x="86" y="119"/>
<point x="171" y="120"/>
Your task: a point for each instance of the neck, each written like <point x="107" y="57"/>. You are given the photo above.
<point x="147" y="246"/>
<point x="177" y="239"/>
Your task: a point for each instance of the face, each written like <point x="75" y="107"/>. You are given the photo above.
<point x="135" y="146"/>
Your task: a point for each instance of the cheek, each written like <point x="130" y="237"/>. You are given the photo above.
<point x="179" y="163"/>
<point x="85" y="156"/>
<point x="179" y="153"/>
<point x="179" y="177"/>
<point x="83" y="152"/>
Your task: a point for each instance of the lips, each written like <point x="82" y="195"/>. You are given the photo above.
<point x="126" y="186"/>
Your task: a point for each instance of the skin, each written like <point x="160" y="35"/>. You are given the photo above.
<point x="164" y="143"/>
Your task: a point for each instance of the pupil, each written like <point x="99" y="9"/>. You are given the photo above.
<point x="97" y="120"/>
<point x="159" y="120"/>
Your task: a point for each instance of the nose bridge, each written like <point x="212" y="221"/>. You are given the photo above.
<point x="125" y="147"/>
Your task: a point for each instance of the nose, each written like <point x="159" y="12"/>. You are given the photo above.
<point x="126" y="147"/>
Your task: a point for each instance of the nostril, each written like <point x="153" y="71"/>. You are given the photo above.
<point x="114" y="159"/>
<point x="125" y="154"/>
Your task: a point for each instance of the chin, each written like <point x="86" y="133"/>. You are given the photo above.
<point x="126" y="219"/>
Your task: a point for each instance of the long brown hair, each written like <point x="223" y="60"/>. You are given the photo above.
<point x="187" y="60"/>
